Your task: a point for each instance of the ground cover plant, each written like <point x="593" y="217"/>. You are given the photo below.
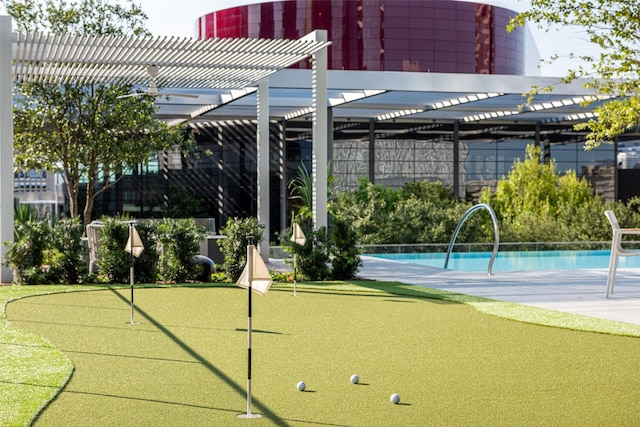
<point x="185" y="360"/>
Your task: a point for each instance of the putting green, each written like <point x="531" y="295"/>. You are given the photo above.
<point x="185" y="361"/>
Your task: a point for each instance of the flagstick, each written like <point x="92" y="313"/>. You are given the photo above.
<point x="294" y="255"/>
<point x="250" y="291"/>
<point x="294" y="273"/>
<point x="131" y="268"/>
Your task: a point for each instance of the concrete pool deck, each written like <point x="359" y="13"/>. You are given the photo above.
<point x="572" y="291"/>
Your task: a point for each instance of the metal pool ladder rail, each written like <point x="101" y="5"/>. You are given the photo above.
<point x="496" y="233"/>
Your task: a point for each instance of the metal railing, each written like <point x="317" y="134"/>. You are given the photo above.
<point x="408" y="248"/>
<point x="496" y="234"/>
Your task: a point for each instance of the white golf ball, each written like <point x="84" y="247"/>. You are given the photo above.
<point x="355" y="379"/>
<point x="301" y="386"/>
<point x="395" y="398"/>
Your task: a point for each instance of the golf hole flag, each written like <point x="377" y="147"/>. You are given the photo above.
<point x="261" y="279"/>
<point x="134" y="244"/>
<point x="298" y="236"/>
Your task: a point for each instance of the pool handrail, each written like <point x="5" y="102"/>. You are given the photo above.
<point x="496" y="234"/>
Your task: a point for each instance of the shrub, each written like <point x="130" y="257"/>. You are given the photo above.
<point x="419" y="212"/>
<point x="114" y="262"/>
<point x="67" y="255"/>
<point x="234" y="247"/>
<point x="345" y="260"/>
<point x="313" y="257"/>
<point x="181" y="243"/>
<point x="26" y="254"/>
<point x="536" y="204"/>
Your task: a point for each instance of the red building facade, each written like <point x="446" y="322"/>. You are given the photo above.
<point x="443" y="36"/>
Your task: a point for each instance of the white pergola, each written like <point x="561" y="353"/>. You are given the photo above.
<point x="189" y="64"/>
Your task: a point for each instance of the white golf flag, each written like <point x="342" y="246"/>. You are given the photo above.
<point x="261" y="278"/>
<point x="298" y="236"/>
<point x="134" y="244"/>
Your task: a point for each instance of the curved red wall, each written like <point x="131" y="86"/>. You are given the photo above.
<point x="386" y="35"/>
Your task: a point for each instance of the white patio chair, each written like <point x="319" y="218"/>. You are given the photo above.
<point x="616" y="248"/>
<point x="93" y="243"/>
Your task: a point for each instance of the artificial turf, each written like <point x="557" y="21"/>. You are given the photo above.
<point x="185" y="361"/>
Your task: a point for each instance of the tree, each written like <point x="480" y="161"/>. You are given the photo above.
<point x="613" y="27"/>
<point x="535" y="203"/>
<point x="86" y="132"/>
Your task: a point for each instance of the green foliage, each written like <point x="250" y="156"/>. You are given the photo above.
<point x="23" y="213"/>
<point x="368" y="209"/>
<point x="301" y="190"/>
<point x="44" y="255"/>
<point x="181" y="243"/>
<point x="80" y="17"/>
<point x="234" y="247"/>
<point x="419" y="212"/>
<point x="282" y="276"/>
<point x="326" y="254"/>
<point x="536" y="189"/>
<point x="313" y="258"/>
<point x="180" y="203"/>
<point x="345" y="257"/>
<point x="535" y="204"/>
<point x="613" y="28"/>
<point x="66" y="257"/>
<point x="26" y="255"/>
<point x="114" y="262"/>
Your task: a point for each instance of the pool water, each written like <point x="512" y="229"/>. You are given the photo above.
<point x="516" y="261"/>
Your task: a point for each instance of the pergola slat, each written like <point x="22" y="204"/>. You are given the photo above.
<point x="182" y="62"/>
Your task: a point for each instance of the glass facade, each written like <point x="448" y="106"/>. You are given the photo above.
<point x="386" y="35"/>
<point x="394" y="154"/>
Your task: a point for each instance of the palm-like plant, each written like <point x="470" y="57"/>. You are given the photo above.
<point x="301" y="188"/>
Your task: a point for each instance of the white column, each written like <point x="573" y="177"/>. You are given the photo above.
<point x="320" y="154"/>
<point x="6" y="143"/>
<point x="263" y="164"/>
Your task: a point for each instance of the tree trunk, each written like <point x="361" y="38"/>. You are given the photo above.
<point x="72" y="189"/>
<point x="88" y="207"/>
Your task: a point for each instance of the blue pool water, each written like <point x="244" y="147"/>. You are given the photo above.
<point x="516" y="261"/>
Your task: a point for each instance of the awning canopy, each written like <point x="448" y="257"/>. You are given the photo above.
<point x="398" y="97"/>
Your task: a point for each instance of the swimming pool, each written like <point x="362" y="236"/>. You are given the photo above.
<point x="516" y="261"/>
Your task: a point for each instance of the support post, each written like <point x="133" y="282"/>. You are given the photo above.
<point x="263" y="164"/>
<point x="320" y="132"/>
<point x="6" y="145"/>
<point x="457" y="191"/>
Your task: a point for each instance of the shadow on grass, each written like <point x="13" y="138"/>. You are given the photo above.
<point x="140" y="399"/>
<point x="259" y="331"/>
<point x="121" y="356"/>
<point x="391" y="291"/>
<point x="401" y="292"/>
<point x="230" y="382"/>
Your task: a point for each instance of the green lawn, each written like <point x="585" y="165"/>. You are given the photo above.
<point x="185" y="361"/>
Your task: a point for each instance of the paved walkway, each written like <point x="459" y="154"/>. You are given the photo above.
<point x="573" y="291"/>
